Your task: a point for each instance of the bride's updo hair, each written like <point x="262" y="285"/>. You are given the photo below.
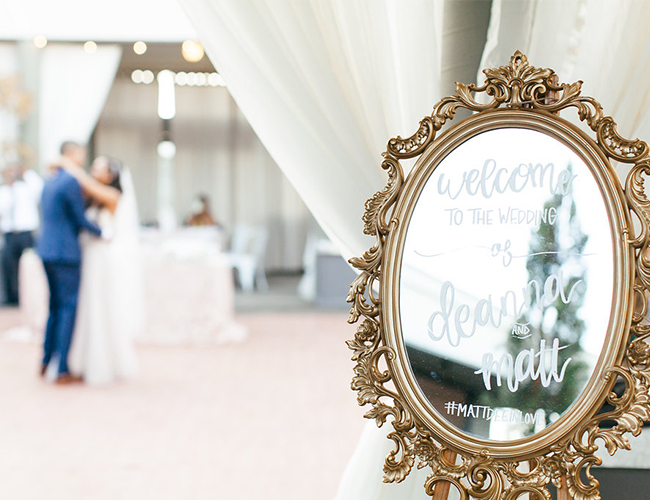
<point x="106" y="170"/>
<point x="114" y="168"/>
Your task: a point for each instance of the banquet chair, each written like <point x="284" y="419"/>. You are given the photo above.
<point x="246" y="255"/>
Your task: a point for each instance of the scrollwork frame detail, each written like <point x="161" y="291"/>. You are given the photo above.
<point x="515" y="86"/>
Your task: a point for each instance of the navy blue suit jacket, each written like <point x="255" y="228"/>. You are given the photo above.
<point x="63" y="217"/>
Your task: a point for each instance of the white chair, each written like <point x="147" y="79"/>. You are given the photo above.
<point x="307" y="284"/>
<point x="247" y="253"/>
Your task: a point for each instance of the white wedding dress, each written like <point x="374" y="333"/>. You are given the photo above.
<point x="109" y="313"/>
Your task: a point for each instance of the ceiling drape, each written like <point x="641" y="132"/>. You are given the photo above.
<point x="72" y="92"/>
<point x="325" y="85"/>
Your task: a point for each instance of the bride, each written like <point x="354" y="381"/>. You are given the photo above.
<point x="109" y="313"/>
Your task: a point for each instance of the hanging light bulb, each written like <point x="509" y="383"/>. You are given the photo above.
<point x="166" y="150"/>
<point x="166" y="96"/>
<point x="192" y="51"/>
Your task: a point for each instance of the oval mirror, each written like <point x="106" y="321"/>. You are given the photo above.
<point x="506" y="262"/>
<point x="506" y="282"/>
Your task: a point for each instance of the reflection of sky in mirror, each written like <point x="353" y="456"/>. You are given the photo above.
<point x="481" y="244"/>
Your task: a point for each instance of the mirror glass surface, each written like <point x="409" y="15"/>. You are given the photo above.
<point x="506" y="283"/>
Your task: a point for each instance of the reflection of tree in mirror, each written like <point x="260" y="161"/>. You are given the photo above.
<point x="555" y="250"/>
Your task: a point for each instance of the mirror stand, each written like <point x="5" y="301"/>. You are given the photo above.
<point x="563" y="490"/>
<point x="442" y="489"/>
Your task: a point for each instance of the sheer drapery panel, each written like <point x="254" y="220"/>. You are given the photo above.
<point x="324" y="85"/>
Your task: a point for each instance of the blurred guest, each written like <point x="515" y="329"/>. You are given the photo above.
<point x="110" y="297"/>
<point x="63" y="218"/>
<point x="201" y="215"/>
<point x="19" y="218"/>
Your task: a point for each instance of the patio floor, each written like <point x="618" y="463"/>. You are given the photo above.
<point x="270" y="418"/>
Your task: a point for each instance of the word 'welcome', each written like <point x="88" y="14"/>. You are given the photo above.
<point x="490" y="179"/>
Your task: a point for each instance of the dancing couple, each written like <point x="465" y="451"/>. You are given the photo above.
<point x="92" y="276"/>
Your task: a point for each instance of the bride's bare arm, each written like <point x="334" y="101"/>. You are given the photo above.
<point x="108" y="196"/>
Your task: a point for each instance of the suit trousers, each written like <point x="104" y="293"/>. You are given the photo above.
<point x="15" y="245"/>
<point x="63" y="280"/>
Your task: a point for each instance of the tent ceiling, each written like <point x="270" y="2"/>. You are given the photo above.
<point x="102" y="21"/>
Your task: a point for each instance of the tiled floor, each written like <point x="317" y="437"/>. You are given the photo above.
<point x="269" y="418"/>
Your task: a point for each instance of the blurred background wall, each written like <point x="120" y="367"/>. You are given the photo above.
<point x="217" y="152"/>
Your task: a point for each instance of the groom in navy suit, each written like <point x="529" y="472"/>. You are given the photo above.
<point x="63" y="217"/>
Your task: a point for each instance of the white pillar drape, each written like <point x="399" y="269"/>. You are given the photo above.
<point x="73" y="88"/>
<point x="325" y="85"/>
<point x="606" y="47"/>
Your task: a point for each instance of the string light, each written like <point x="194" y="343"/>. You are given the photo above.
<point x="216" y="80"/>
<point x="139" y="47"/>
<point x="90" y="47"/>
<point x="136" y="76"/>
<point x="40" y="41"/>
<point x="147" y="76"/>
<point x="181" y="78"/>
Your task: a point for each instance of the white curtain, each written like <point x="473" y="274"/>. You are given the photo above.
<point x="73" y="88"/>
<point x="606" y="45"/>
<point x="325" y="85"/>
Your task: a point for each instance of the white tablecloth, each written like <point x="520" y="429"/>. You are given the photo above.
<point x="188" y="290"/>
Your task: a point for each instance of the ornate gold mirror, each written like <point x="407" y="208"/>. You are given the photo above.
<point x="498" y="302"/>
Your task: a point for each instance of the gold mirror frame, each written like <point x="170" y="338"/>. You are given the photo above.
<point x="516" y="95"/>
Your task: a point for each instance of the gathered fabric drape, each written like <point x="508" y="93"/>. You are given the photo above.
<point x="325" y="85"/>
<point x="606" y="47"/>
<point x="72" y="91"/>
